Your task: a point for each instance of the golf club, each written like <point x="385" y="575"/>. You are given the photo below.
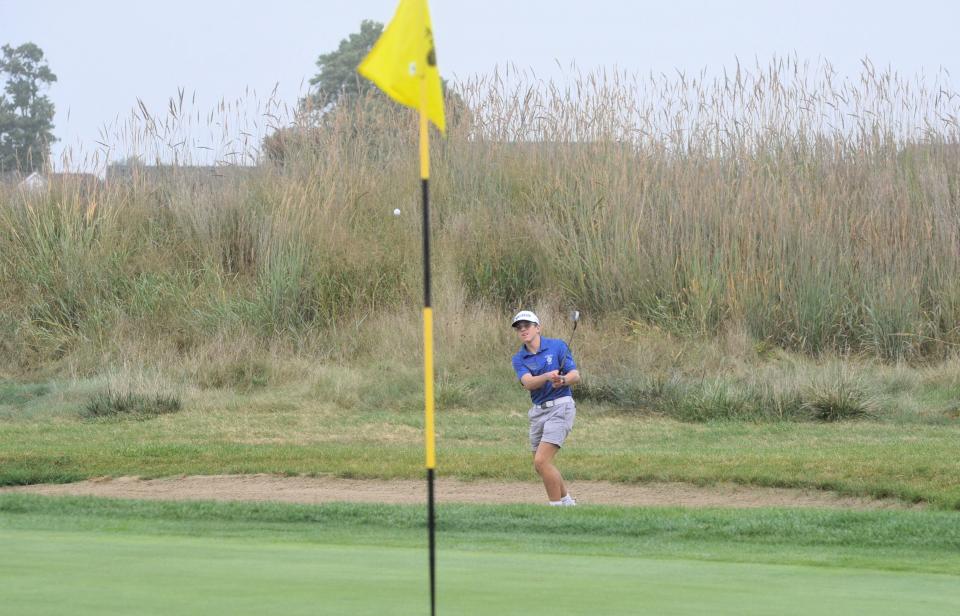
<point x="575" y="317"/>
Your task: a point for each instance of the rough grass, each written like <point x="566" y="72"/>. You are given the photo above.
<point x="722" y="399"/>
<point x="366" y="421"/>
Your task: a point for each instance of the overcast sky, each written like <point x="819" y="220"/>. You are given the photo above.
<point x="107" y="54"/>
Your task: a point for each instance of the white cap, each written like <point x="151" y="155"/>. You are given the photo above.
<point x="525" y="315"/>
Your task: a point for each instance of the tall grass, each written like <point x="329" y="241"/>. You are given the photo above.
<point x="814" y="212"/>
<point x="817" y="212"/>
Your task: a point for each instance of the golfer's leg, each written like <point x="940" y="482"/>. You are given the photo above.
<point x="543" y="464"/>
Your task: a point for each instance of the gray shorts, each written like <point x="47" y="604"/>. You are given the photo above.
<point x="552" y="424"/>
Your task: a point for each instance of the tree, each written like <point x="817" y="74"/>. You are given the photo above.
<point x="339" y="89"/>
<point x="26" y="115"/>
<point x="338" y="69"/>
<point x="336" y="83"/>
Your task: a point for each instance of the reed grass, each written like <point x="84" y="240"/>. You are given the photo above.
<point x="811" y="211"/>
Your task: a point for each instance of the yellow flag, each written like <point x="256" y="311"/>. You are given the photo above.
<point x="403" y="56"/>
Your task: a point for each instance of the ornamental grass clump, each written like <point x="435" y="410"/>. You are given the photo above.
<point x="114" y="404"/>
<point x="838" y="400"/>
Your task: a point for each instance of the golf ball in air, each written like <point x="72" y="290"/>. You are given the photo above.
<point x="396" y="212"/>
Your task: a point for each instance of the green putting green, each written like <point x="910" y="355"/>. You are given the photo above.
<point x="97" y="572"/>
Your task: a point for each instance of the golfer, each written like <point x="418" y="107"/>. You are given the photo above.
<point x="546" y="369"/>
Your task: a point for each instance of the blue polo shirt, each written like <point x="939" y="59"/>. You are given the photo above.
<point x="554" y="354"/>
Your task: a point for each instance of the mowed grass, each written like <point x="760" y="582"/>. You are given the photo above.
<point x="104" y="556"/>
<point x="286" y="432"/>
<point x="106" y="574"/>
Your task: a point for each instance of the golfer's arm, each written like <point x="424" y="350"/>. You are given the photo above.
<point x="573" y="377"/>
<point x="531" y="382"/>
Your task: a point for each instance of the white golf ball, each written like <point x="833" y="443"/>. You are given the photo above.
<point x="396" y="212"/>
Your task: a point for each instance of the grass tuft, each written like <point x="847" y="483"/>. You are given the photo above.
<point x="132" y="405"/>
<point x="839" y="401"/>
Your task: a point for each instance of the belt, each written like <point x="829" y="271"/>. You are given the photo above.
<point x="554" y="402"/>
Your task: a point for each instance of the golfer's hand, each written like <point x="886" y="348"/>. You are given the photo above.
<point x="556" y="379"/>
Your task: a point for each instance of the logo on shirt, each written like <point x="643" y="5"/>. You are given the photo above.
<point x="549" y="360"/>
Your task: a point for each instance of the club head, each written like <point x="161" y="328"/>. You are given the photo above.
<point x="575" y="316"/>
